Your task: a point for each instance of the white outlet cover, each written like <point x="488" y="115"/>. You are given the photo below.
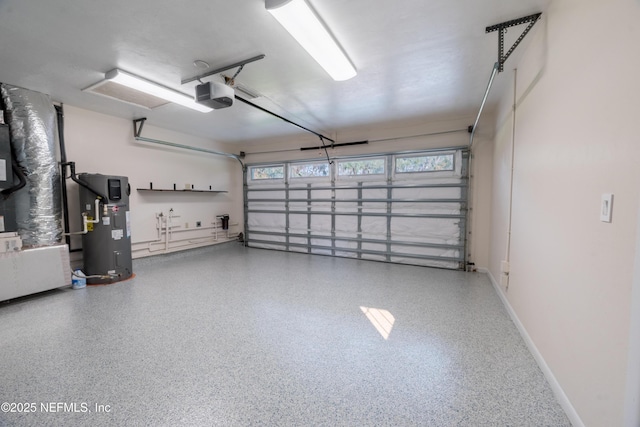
<point x="505" y="267"/>
<point x="606" y="207"/>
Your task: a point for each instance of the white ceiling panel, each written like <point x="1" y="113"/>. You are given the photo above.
<point x="415" y="58"/>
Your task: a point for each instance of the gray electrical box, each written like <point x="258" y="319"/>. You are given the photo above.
<point x="107" y="244"/>
<point x="7" y="206"/>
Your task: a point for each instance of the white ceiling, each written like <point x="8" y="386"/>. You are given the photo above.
<point x="416" y="59"/>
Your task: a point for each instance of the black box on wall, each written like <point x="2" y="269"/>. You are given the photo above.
<point x="6" y="172"/>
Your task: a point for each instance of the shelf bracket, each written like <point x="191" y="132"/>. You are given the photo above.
<point x="502" y="29"/>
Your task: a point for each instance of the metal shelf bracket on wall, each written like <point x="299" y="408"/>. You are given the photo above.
<point x="502" y="28"/>
<point x="138" y="124"/>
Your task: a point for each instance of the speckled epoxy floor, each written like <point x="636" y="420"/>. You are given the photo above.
<point x="233" y="336"/>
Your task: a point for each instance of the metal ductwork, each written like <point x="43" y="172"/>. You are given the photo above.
<point x="32" y="119"/>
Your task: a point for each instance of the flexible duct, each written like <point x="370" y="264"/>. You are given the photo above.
<point x="38" y="208"/>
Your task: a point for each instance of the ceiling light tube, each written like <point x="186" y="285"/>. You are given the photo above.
<point x="297" y="17"/>
<point x="151" y="88"/>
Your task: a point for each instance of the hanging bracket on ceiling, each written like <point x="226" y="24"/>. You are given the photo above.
<point x="219" y="70"/>
<point x="502" y="28"/>
<point x="231" y="81"/>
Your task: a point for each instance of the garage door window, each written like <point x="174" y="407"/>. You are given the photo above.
<point x="261" y="173"/>
<point x="361" y="167"/>
<point x="431" y="163"/>
<point x="309" y="170"/>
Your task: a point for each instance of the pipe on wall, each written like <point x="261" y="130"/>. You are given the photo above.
<point x="193" y="241"/>
<point x="188" y="147"/>
<point x="63" y="182"/>
<point x="165" y="230"/>
<point x="507" y="257"/>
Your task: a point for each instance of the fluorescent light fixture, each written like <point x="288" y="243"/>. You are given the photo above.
<point x="297" y="17"/>
<point x="138" y="83"/>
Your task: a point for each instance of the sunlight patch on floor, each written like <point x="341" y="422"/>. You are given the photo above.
<point x="382" y="320"/>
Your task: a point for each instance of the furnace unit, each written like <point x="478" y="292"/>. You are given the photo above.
<point x="107" y="242"/>
<point x="7" y="204"/>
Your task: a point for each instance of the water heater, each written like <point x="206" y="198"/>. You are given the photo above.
<point x="106" y="244"/>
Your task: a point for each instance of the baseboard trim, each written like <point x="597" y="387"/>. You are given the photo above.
<point x="562" y="398"/>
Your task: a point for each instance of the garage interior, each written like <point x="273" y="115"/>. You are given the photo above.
<point x="444" y="231"/>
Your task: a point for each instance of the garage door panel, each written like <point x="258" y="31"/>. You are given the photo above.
<point x="428" y="193"/>
<point x="320" y="194"/>
<point x="263" y="206"/>
<point x="298" y="206"/>
<point x="409" y="218"/>
<point x="374" y="225"/>
<point x="321" y="242"/>
<point x="267" y="221"/>
<point x="445" y="209"/>
<point x="452" y="265"/>
<point x="346" y="194"/>
<point x="375" y="247"/>
<point x="298" y="224"/>
<point x="433" y="230"/>
<point x="373" y="257"/>
<point x="321" y="224"/>
<point x="298" y="241"/>
<point x="373" y="207"/>
<point x="346" y="224"/>
<point x="277" y="195"/>
<point x="426" y="252"/>
<point x="376" y="193"/>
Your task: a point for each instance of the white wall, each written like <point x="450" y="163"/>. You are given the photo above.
<point x="481" y="189"/>
<point x="575" y="138"/>
<point x="413" y="135"/>
<point x="104" y="144"/>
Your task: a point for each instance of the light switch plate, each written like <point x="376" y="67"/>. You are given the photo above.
<point x="606" y="207"/>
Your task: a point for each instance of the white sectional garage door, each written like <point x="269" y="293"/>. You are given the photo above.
<point x="408" y="208"/>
